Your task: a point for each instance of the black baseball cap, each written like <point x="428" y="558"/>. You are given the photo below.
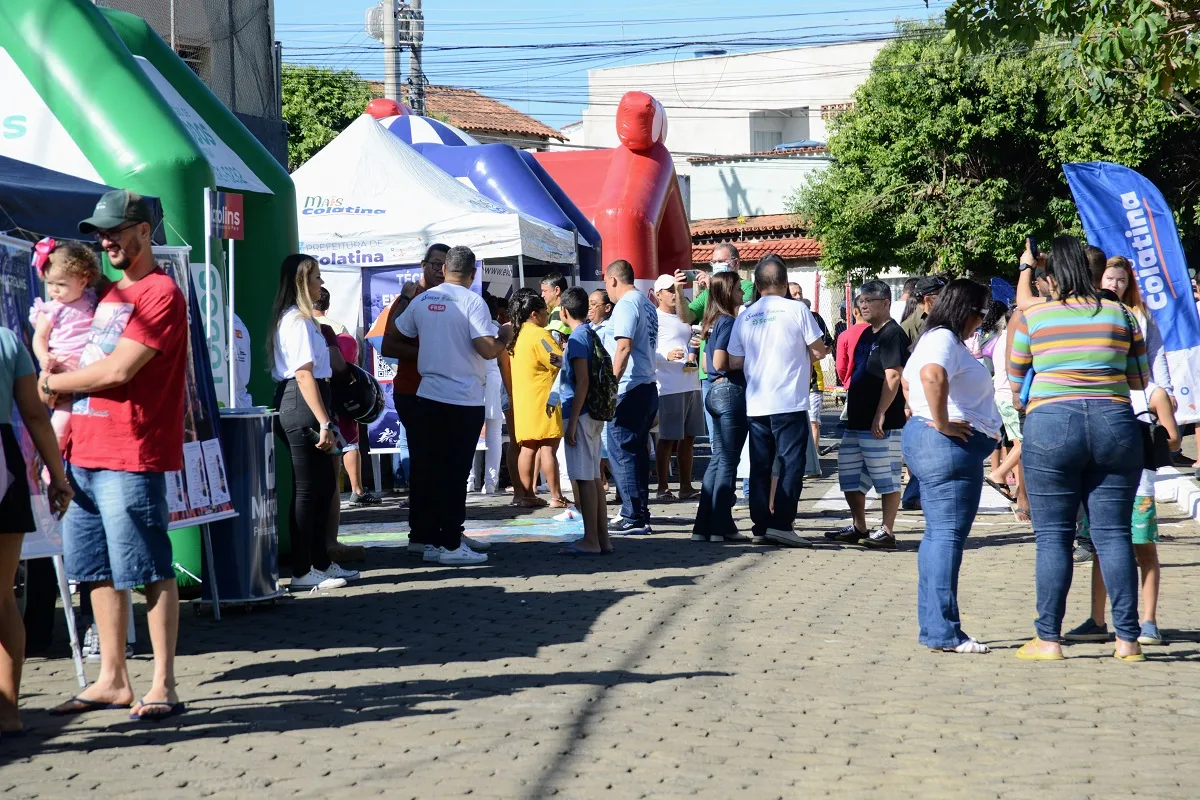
<point x="928" y="286"/>
<point x="116" y="208"/>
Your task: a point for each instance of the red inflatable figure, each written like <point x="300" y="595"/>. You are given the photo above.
<point x="630" y="192"/>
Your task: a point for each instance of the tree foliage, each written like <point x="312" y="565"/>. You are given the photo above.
<point x="318" y="104"/>
<point x="946" y="164"/>
<point x="1119" y="50"/>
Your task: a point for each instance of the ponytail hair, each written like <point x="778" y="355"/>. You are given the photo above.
<point x="523" y="305"/>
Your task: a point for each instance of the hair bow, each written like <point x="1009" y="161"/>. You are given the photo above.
<point x="41" y="254"/>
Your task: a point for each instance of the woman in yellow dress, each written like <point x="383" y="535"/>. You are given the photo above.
<point x="536" y="360"/>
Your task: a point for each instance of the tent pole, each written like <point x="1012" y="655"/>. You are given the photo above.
<point x="520" y="271"/>
<point x="207" y="263"/>
<point x="232" y="346"/>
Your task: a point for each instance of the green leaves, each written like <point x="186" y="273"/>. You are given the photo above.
<point x="318" y="104"/>
<point x="947" y="163"/>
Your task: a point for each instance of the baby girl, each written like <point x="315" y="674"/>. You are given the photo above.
<point x="71" y="272"/>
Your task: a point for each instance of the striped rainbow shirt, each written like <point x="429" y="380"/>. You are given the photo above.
<point x="1077" y="352"/>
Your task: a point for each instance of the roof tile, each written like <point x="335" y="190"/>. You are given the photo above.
<point x="725" y="226"/>
<point x="472" y="111"/>
<point x="787" y="247"/>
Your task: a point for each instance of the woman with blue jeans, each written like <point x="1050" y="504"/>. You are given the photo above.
<point x="1082" y="444"/>
<point x="953" y="427"/>
<point x="725" y="400"/>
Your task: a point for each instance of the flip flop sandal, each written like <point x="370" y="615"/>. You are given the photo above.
<point x="559" y="502"/>
<point x="1003" y="490"/>
<point x="688" y="496"/>
<point x="84" y="706"/>
<point x="1029" y="652"/>
<point x="572" y="550"/>
<point x="173" y="709"/>
<point x="665" y="497"/>
<point x="1022" y="514"/>
<point x="1131" y="658"/>
<point x="969" y="646"/>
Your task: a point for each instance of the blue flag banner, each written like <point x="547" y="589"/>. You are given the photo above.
<point x="1125" y="214"/>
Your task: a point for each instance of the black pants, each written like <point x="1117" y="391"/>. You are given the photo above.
<point x="419" y="530"/>
<point x="314" y="477"/>
<point x="441" y="449"/>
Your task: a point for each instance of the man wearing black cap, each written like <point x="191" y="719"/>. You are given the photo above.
<point x="126" y="434"/>
<point x="926" y="292"/>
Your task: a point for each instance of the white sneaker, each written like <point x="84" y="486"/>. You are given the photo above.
<point x="460" y="557"/>
<point x="430" y="553"/>
<point x="338" y="571"/>
<point x="475" y="544"/>
<point x="787" y="538"/>
<point x="316" y="579"/>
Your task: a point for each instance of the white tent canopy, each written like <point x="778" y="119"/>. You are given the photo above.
<point x="369" y="199"/>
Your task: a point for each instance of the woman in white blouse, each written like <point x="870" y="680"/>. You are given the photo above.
<point x="953" y="428"/>
<point x="299" y="358"/>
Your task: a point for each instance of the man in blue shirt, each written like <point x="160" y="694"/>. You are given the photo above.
<point x="582" y="432"/>
<point x="635" y="326"/>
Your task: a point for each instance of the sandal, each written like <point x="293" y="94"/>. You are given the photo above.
<point x="1003" y="490"/>
<point x="969" y="646"/>
<point x="692" y="495"/>
<point x="559" y="502"/>
<point x="1030" y="652"/>
<point x="665" y="497"/>
<point x="531" y="502"/>
<point x="1022" y="514"/>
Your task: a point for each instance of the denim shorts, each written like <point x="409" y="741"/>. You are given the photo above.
<point x="116" y="528"/>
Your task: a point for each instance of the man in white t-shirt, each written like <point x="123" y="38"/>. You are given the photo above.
<point x="454" y="326"/>
<point x="680" y="406"/>
<point x="774" y="342"/>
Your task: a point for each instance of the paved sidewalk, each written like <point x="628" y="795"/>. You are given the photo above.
<point x="671" y="668"/>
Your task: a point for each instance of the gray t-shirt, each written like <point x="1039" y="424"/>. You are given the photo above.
<point x="14" y="363"/>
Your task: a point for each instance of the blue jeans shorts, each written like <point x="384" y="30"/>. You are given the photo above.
<point x="116" y="528"/>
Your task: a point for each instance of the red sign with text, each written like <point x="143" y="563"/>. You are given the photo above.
<point x="226" y="218"/>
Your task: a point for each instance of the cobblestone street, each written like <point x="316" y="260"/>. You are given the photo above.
<point x="672" y="668"/>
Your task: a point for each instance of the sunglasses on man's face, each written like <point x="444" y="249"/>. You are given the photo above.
<point x="112" y="234"/>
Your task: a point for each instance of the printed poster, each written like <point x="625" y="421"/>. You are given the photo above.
<point x="18" y="286"/>
<point x="201" y="421"/>
<point x="214" y="466"/>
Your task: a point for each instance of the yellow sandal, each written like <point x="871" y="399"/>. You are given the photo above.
<point x="1030" y="652"/>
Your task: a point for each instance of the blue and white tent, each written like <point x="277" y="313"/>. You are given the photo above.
<point x="422" y="130"/>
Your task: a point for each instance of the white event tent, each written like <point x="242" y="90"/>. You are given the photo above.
<point x="368" y="199"/>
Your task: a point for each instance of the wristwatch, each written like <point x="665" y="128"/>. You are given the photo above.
<point x="1024" y="266"/>
<point x="328" y="426"/>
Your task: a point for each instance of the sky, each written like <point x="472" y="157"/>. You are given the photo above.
<point x="535" y="54"/>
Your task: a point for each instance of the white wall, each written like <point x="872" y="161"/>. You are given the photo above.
<point x="750" y="187"/>
<point x="709" y="101"/>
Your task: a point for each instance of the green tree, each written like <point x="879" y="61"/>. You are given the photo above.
<point x="1124" y="51"/>
<point x="946" y="164"/>
<point x="318" y="104"/>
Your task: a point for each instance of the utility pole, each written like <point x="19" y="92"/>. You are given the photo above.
<point x="391" y="51"/>
<point x="414" y="33"/>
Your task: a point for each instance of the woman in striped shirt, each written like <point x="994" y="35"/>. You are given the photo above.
<point x="1082" y="443"/>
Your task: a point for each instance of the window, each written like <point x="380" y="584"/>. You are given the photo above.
<point x="763" y="141"/>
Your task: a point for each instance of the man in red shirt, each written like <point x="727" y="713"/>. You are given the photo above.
<point x="126" y="434"/>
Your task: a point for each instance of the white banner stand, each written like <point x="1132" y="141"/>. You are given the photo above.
<point x="64" y="591"/>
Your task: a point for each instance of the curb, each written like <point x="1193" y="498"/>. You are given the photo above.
<point x="1181" y="488"/>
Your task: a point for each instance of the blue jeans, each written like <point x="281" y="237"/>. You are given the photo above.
<point x="1090" y="452"/>
<point x="629" y="449"/>
<point x="116" y="528"/>
<point x="951" y="475"/>
<point x="782" y="436"/>
<point x="400" y="459"/>
<point x="726" y="403"/>
<point x="710" y="423"/>
<point x="912" y="491"/>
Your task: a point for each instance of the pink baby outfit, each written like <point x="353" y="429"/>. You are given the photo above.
<point x="69" y="326"/>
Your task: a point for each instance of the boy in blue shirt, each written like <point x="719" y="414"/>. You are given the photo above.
<point x="581" y="432"/>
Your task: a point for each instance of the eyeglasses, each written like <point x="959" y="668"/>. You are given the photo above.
<point x="111" y="234"/>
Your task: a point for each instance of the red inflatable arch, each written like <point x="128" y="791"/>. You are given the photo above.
<point x="630" y="192"/>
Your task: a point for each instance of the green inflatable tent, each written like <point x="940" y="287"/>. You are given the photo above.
<point x="98" y="94"/>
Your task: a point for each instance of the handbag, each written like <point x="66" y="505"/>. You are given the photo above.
<point x="1156" y="448"/>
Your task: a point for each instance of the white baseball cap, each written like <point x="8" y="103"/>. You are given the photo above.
<point x="664" y="282"/>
